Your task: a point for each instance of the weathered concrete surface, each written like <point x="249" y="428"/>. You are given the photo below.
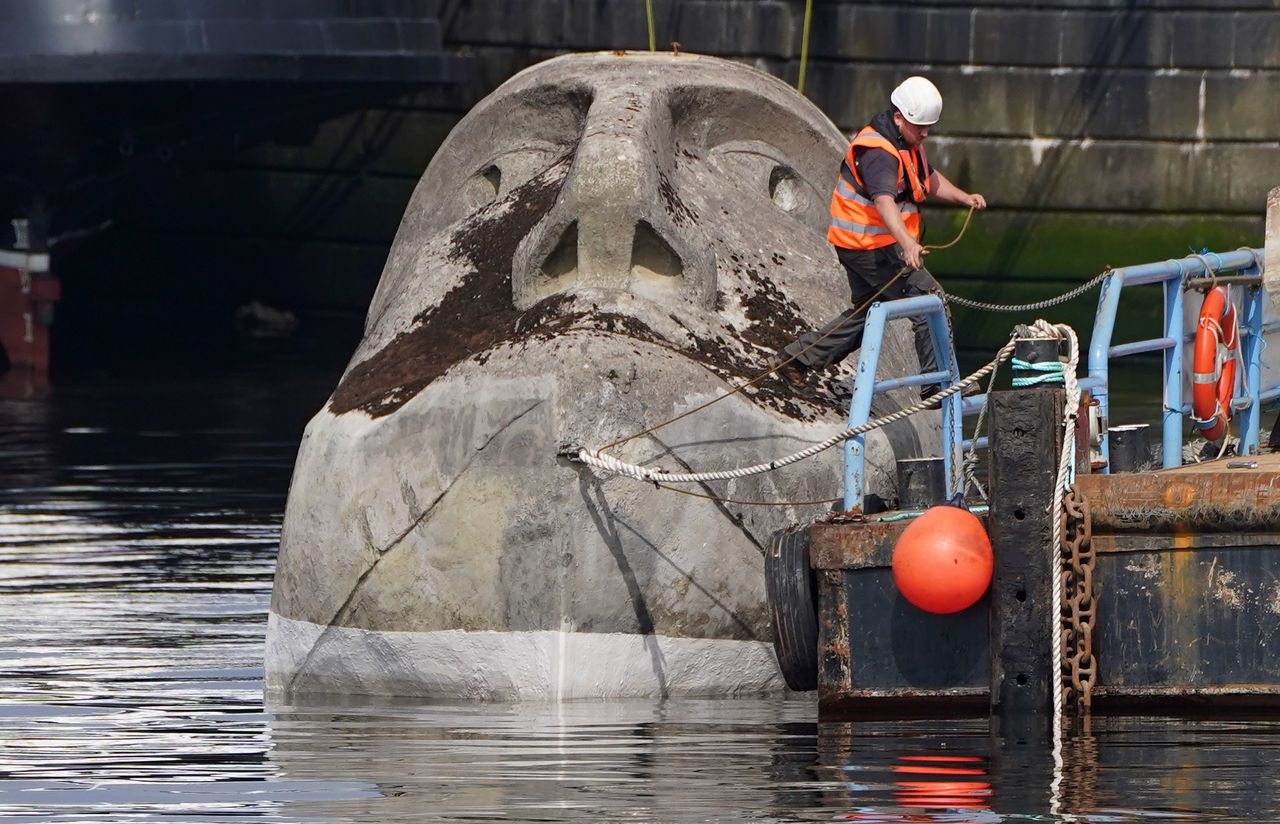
<point x="1022" y="173"/>
<point x="520" y="665"/>
<point x="605" y="242"/>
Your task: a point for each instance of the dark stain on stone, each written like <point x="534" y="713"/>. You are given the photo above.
<point x="477" y="315"/>
<point x="681" y="215"/>
<point x="775" y="319"/>
<point x="487" y="240"/>
<point x="472" y="317"/>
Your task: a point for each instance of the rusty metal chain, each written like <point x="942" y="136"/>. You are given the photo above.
<point x="1079" y="609"/>
<point x="1080" y="771"/>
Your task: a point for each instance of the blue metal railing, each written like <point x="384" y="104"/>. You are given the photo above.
<point x="1171" y="274"/>
<point x="866" y="387"/>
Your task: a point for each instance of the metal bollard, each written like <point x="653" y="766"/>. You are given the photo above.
<point x="922" y="482"/>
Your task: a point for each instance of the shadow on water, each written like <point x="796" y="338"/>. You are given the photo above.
<point x="140" y="512"/>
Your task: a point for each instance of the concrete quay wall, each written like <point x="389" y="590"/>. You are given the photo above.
<point x="1102" y="132"/>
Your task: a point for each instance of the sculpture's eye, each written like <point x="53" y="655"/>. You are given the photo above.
<point x="498" y="176"/>
<point x="758" y="167"/>
<point x="786" y="188"/>
<point x="482" y="187"/>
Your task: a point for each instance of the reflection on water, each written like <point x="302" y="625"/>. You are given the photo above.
<point x="138" y="524"/>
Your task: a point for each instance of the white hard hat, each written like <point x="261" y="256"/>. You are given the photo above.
<point x="918" y="100"/>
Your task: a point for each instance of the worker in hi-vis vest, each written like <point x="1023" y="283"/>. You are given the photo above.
<point x="875" y="226"/>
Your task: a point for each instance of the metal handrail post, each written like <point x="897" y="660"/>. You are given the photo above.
<point x="952" y="414"/>
<point x="1104" y="323"/>
<point x="1251" y="416"/>
<point x="864" y="388"/>
<point x="1171" y="439"/>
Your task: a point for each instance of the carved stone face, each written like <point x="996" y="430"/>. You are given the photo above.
<point x="603" y="243"/>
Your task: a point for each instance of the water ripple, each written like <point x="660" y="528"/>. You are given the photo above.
<point x="137" y="538"/>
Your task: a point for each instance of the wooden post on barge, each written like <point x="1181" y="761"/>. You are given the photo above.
<point x="1026" y="436"/>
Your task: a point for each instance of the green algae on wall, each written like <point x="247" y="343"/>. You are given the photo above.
<point x="1074" y="246"/>
<point x="1020" y="258"/>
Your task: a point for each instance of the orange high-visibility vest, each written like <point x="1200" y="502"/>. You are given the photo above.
<point x="855" y="223"/>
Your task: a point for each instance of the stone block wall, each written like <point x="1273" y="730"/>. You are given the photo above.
<point x="1101" y="131"/>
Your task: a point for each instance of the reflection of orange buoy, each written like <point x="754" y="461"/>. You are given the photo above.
<point x="949" y="793"/>
<point x="942" y="561"/>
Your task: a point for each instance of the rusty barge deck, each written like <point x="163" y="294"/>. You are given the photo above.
<point x="1186" y="590"/>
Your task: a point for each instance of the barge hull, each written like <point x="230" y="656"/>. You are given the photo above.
<point x="1186" y="581"/>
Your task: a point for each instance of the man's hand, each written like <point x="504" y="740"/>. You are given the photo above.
<point x="913" y="254"/>
<point x="975" y="201"/>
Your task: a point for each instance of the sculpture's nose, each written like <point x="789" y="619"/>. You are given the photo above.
<point x="619" y="223"/>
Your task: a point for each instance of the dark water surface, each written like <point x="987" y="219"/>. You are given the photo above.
<point x="139" y="518"/>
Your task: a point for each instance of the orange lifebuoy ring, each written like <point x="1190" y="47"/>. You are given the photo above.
<point x="1214" y="376"/>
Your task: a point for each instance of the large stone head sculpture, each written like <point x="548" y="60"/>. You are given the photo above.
<point x="604" y="242"/>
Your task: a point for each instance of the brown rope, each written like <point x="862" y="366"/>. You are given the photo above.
<point x="906" y="268"/>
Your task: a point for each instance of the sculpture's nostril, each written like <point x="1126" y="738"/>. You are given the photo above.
<point x="652" y="257"/>
<point x="560" y="267"/>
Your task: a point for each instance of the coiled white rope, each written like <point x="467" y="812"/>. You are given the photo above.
<point x="597" y="460"/>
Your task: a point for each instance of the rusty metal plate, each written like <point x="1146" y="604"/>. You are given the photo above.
<point x="1184" y="541"/>
<point x="854" y="546"/>
<point x="1188" y="621"/>
<point x="867" y="545"/>
<point x="1183" y="502"/>
<point x="906" y="703"/>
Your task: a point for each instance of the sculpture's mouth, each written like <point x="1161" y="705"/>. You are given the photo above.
<point x="477" y="317"/>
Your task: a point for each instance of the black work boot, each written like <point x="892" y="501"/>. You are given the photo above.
<point x="791" y="372"/>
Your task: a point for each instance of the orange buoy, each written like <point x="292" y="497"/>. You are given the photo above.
<point x="942" y="561"/>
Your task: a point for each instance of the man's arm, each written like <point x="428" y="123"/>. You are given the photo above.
<point x="912" y="252"/>
<point x="944" y="189"/>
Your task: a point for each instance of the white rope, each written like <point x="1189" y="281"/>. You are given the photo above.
<point x="970" y="463"/>
<point x="595" y="459"/>
<point x="1066" y="471"/>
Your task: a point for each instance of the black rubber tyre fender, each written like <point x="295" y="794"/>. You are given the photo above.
<point x="793" y="607"/>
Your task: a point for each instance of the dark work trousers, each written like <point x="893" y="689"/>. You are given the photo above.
<point x="842" y="335"/>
